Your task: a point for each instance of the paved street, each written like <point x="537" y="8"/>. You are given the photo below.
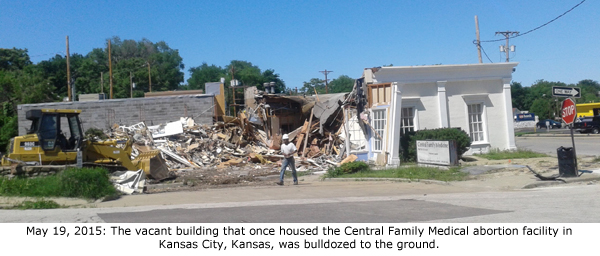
<point x="585" y="145"/>
<point x="361" y="202"/>
<point x="550" y="204"/>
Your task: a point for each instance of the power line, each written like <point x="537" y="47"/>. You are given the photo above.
<point x="559" y="16"/>
<point x="488" y="57"/>
<point x="54" y="53"/>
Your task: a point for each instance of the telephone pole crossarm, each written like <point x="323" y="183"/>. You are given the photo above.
<point x="507" y="35"/>
<point x="326" y="80"/>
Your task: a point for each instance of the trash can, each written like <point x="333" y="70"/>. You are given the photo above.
<point x="566" y="162"/>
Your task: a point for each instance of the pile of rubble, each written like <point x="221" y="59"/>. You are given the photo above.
<point x="234" y="142"/>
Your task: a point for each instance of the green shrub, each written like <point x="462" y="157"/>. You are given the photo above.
<point x="353" y="167"/>
<point x="408" y="142"/>
<point x="88" y="183"/>
<point x="347" y="168"/>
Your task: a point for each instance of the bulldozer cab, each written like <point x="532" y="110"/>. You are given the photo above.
<point x="56" y="128"/>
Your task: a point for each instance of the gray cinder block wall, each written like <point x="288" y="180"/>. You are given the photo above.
<point x="102" y="114"/>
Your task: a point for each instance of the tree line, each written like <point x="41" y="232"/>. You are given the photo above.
<point x="150" y="66"/>
<point x="538" y="97"/>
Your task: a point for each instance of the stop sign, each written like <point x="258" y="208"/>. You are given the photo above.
<point x="569" y="112"/>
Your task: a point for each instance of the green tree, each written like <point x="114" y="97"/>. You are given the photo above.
<point x="589" y="91"/>
<point x="341" y="84"/>
<point x="312" y="85"/>
<point x="543" y="108"/>
<point x="269" y="75"/>
<point x="21" y="83"/>
<point x="203" y="74"/>
<point x="246" y="73"/>
<point x="519" y="96"/>
<point x="14" y="59"/>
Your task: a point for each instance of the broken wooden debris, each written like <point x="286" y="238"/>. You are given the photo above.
<point x="234" y="142"/>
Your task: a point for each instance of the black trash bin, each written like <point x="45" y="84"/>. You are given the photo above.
<point x="566" y="162"/>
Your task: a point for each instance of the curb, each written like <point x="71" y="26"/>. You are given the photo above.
<point x="567" y="181"/>
<point x="389" y="179"/>
<point x="559" y="135"/>
<point x="528" y="186"/>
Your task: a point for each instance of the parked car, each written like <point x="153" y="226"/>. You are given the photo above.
<point x="553" y="124"/>
<point x="587" y="125"/>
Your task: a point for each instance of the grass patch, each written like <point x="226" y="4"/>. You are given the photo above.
<point x="87" y="183"/>
<point x="496" y="154"/>
<point x="37" y="204"/>
<point x="412" y="173"/>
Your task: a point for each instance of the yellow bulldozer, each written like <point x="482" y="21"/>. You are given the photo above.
<point x="56" y="138"/>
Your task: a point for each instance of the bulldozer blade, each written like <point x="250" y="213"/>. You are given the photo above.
<point x="153" y="165"/>
<point x="158" y="168"/>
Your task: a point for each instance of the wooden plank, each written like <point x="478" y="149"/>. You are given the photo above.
<point x="374" y="131"/>
<point x="370" y="96"/>
<point x="349" y="159"/>
<point x="299" y="141"/>
<point x="306" y="139"/>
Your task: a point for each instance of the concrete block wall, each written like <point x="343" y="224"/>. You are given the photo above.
<point x="102" y="114"/>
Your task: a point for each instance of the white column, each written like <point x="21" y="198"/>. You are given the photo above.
<point x="508" y="113"/>
<point x="394" y="132"/>
<point x="443" y="103"/>
<point x="347" y="130"/>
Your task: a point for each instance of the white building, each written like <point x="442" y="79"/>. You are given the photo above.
<point x="473" y="97"/>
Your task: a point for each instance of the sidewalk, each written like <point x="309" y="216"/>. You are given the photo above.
<point x="312" y="187"/>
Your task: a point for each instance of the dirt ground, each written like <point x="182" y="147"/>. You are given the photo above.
<point x="511" y="171"/>
<point x="212" y="177"/>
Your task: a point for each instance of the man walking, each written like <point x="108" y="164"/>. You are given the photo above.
<point x="288" y="149"/>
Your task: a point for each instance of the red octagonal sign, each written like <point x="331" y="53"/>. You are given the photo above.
<point x="569" y="111"/>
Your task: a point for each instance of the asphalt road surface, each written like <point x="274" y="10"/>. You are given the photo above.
<point x="584" y="145"/>
<point x="567" y="203"/>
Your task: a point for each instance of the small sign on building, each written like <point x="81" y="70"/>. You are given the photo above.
<point x="525" y="117"/>
<point x="437" y="152"/>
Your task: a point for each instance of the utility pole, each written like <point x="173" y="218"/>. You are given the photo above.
<point x="326" y="80"/>
<point x="68" y="73"/>
<point x="506" y="48"/>
<point x="130" y="84"/>
<point x="149" y="77"/>
<point x="233" y="89"/>
<point x="102" y="82"/>
<point x="478" y="41"/>
<point x="110" y="75"/>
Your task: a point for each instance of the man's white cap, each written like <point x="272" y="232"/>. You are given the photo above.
<point x="286" y="137"/>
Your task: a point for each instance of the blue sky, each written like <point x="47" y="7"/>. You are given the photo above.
<point x="300" y="38"/>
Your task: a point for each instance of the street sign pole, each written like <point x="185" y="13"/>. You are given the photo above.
<point x="574" y="150"/>
<point x="569" y="112"/>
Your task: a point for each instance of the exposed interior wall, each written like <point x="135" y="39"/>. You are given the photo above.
<point x="249" y="93"/>
<point x="379" y="94"/>
<point x="218" y="90"/>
